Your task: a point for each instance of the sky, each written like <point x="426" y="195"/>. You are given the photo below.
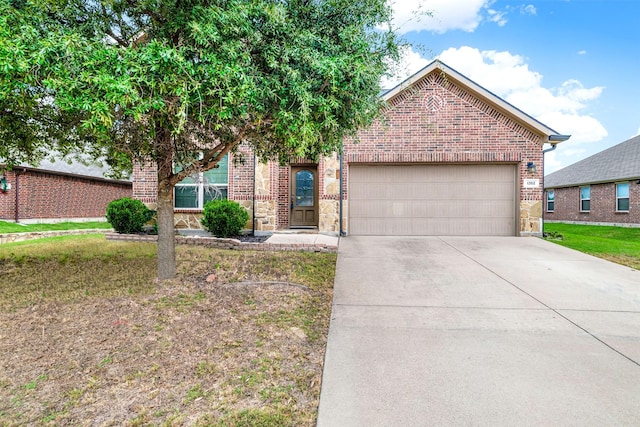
<point x="574" y="65"/>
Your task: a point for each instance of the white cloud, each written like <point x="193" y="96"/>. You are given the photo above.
<point x="508" y="76"/>
<point x="497" y="17"/>
<point x="582" y="52"/>
<point x="637" y="133"/>
<point x="440" y="16"/>
<point x="564" y="108"/>
<point x="465" y="15"/>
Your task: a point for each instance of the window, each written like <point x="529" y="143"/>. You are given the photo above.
<point x="585" y="199"/>
<point x="622" y="197"/>
<point x="194" y="191"/>
<point x="551" y="198"/>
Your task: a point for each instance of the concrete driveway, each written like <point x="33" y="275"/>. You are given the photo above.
<point x="480" y="331"/>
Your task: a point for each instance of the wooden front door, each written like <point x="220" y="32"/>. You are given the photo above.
<point x="304" y="196"/>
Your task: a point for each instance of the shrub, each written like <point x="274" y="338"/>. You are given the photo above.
<point x="224" y="218"/>
<point x="128" y="215"/>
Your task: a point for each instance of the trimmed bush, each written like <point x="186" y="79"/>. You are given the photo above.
<point x="224" y="218"/>
<point x="127" y="215"/>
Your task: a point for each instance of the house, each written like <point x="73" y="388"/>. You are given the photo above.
<point x="448" y="157"/>
<point x="57" y="191"/>
<point x="601" y="189"/>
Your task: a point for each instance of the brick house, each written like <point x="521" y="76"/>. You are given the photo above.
<point x="448" y="157"/>
<point x="601" y="189"/>
<point x="55" y="192"/>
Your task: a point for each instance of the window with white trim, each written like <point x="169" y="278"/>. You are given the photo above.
<point x="585" y="199"/>
<point x="622" y="197"/>
<point x="196" y="190"/>
<point x="551" y="200"/>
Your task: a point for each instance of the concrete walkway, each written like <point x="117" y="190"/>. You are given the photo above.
<point x="303" y="238"/>
<point x="480" y="331"/>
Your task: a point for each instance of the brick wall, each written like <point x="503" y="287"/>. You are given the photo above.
<point x="603" y="205"/>
<point x="241" y="177"/>
<point x="438" y="121"/>
<point x="145" y="183"/>
<point x="43" y="195"/>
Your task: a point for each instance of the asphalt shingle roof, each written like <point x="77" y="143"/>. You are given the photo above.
<point x="620" y="162"/>
<point x="70" y="168"/>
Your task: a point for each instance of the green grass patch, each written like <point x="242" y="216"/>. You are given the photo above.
<point x="251" y="417"/>
<point x="11" y="227"/>
<point x="617" y="244"/>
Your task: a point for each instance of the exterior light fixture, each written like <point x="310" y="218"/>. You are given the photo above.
<point x="3" y="183"/>
<point x="531" y="167"/>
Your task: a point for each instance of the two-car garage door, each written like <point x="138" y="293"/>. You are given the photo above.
<point x="432" y="200"/>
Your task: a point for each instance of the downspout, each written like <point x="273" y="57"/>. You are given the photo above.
<point x="544" y="200"/>
<point x="554" y="140"/>
<point x="17" y="212"/>
<point x="341" y="234"/>
<point x="253" y="199"/>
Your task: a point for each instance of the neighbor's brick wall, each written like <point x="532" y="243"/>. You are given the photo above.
<point x="51" y="196"/>
<point x="603" y="205"/>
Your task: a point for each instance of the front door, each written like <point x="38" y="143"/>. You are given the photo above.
<point x="304" y="196"/>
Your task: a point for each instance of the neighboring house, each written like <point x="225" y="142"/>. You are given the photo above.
<point x="447" y="158"/>
<point x="603" y="188"/>
<point x="57" y="191"/>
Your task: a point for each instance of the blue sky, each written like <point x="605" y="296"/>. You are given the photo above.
<point x="572" y="64"/>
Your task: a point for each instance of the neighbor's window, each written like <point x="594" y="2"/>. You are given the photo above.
<point x="194" y="191"/>
<point x="585" y="199"/>
<point x="551" y="199"/>
<point x="622" y="197"/>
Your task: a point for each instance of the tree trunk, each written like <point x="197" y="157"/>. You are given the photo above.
<point x="166" y="232"/>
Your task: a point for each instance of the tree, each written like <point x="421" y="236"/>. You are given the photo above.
<point x="159" y="80"/>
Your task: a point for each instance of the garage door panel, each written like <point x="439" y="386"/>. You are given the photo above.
<point x="432" y="200"/>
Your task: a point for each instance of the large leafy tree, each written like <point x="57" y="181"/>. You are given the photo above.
<point x="158" y="80"/>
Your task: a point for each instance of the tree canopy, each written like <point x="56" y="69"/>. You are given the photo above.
<point x="157" y="80"/>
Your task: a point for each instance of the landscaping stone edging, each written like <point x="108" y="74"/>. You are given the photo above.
<point x="30" y="235"/>
<point x="234" y="244"/>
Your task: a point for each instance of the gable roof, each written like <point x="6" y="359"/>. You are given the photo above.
<point x="494" y="100"/>
<point x="618" y="163"/>
<point x="73" y="168"/>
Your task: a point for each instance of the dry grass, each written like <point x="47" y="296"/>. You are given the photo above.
<point x="87" y="338"/>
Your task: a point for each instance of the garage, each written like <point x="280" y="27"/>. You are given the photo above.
<point x="432" y="200"/>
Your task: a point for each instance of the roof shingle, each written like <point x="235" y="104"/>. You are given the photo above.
<point x="618" y="163"/>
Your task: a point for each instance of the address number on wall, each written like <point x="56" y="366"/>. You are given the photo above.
<point x="531" y="183"/>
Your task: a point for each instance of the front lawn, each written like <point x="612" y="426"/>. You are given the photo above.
<point x="87" y="337"/>
<point x="12" y="227"/>
<point x="617" y="244"/>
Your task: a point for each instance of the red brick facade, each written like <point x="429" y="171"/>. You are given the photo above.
<point x="440" y="118"/>
<point x="43" y="195"/>
<point x="439" y="121"/>
<point x="602" y="205"/>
